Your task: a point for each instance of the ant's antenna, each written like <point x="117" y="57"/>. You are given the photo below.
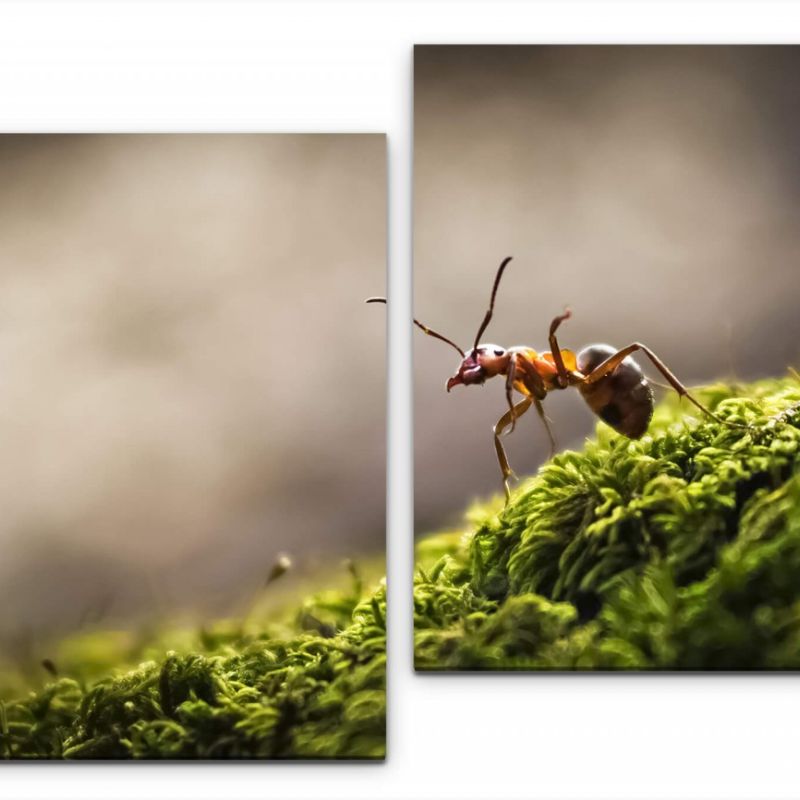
<point x="488" y="316"/>
<point x="424" y="328"/>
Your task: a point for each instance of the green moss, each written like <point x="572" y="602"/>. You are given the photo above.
<point x="678" y="551"/>
<point x="311" y="685"/>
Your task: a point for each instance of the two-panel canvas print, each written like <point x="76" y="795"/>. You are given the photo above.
<point x="635" y="355"/>
<point x="192" y="402"/>
<point x="193" y="473"/>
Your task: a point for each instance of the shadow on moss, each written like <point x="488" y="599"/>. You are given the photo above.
<point x="680" y="551"/>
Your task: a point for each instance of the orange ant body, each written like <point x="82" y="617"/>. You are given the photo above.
<point x="609" y="380"/>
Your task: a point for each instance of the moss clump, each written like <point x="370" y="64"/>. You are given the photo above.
<point x="313" y="688"/>
<point x="680" y="551"/>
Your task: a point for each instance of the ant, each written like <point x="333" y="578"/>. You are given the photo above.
<point x="609" y="380"/>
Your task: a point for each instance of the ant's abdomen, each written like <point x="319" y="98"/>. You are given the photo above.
<point x="623" y="399"/>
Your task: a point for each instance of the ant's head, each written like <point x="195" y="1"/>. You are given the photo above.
<point x="481" y="363"/>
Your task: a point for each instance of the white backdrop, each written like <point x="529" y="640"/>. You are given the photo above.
<point x="339" y="66"/>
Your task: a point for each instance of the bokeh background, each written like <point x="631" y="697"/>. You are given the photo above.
<point x="190" y="383"/>
<point x="654" y="190"/>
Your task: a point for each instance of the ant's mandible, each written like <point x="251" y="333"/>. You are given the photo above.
<point x="609" y="380"/>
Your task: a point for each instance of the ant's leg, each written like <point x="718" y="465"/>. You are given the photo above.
<point x="612" y="362"/>
<point x="510" y="376"/>
<point x="555" y="350"/>
<point x="546" y="423"/>
<point x="517" y="411"/>
<point x="523" y="372"/>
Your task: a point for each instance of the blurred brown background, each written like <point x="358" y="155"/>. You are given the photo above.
<point x="190" y="383"/>
<point x="655" y="190"/>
